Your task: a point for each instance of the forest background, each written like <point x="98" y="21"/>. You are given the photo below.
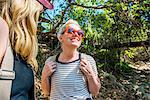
<point x="117" y="36"/>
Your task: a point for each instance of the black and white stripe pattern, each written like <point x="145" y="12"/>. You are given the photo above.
<point x="68" y="82"/>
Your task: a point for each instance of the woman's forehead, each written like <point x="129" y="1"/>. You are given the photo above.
<point x="74" y="26"/>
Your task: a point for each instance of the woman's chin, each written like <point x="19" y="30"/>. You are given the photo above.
<point x="75" y="45"/>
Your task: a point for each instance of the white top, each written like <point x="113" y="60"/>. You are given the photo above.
<point x="68" y="82"/>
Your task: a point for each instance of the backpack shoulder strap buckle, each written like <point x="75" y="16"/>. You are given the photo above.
<point x="7" y="74"/>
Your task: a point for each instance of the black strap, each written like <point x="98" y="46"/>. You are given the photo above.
<point x="79" y="56"/>
<point x="1" y="61"/>
<point x="56" y="59"/>
<point x="57" y="56"/>
<point x="88" y="99"/>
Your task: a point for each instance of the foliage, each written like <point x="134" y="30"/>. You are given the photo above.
<point x="109" y="61"/>
<point x="135" y="54"/>
<point x="106" y="23"/>
<point x="112" y="21"/>
<point x="132" y="86"/>
<point x="123" y="67"/>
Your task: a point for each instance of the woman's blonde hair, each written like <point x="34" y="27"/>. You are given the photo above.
<point x="22" y="17"/>
<point x="1" y="5"/>
<point x="63" y="27"/>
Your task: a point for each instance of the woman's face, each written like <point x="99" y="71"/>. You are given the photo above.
<point x="72" y="36"/>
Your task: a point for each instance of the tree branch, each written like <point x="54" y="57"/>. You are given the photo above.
<point x="94" y="7"/>
<point x="129" y="44"/>
<point x="57" y="24"/>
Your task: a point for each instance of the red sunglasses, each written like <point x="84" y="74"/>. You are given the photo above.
<point x="72" y="30"/>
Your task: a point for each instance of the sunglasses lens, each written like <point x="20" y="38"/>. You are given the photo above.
<point x="70" y="30"/>
<point x="80" y="33"/>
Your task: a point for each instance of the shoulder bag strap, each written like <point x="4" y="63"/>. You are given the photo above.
<point x="83" y="56"/>
<point x="6" y="73"/>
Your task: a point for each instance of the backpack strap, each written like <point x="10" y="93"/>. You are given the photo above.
<point x="83" y="56"/>
<point x="51" y="58"/>
<point x="88" y="58"/>
<point x="6" y="73"/>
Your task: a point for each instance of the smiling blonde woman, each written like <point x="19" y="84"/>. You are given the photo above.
<point x="70" y="75"/>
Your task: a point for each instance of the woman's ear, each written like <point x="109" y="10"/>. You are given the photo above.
<point x="60" y="38"/>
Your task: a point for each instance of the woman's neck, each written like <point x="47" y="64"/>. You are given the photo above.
<point x="68" y="55"/>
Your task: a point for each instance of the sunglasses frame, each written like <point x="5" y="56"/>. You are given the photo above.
<point x="79" y="32"/>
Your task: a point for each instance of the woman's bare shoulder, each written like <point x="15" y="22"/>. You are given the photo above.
<point x="3" y="27"/>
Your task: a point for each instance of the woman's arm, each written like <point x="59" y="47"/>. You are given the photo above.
<point x="4" y="35"/>
<point x="47" y="71"/>
<point x="91" y="77"/>
<point x="45" y="84"/>
<point x="93" y="84"/>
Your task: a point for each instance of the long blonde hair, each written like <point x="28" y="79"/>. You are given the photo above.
<point x="1" y="5"/>
<point x="22" y="17"/>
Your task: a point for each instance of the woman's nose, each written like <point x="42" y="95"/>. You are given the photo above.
<point x="75" y="33"/>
